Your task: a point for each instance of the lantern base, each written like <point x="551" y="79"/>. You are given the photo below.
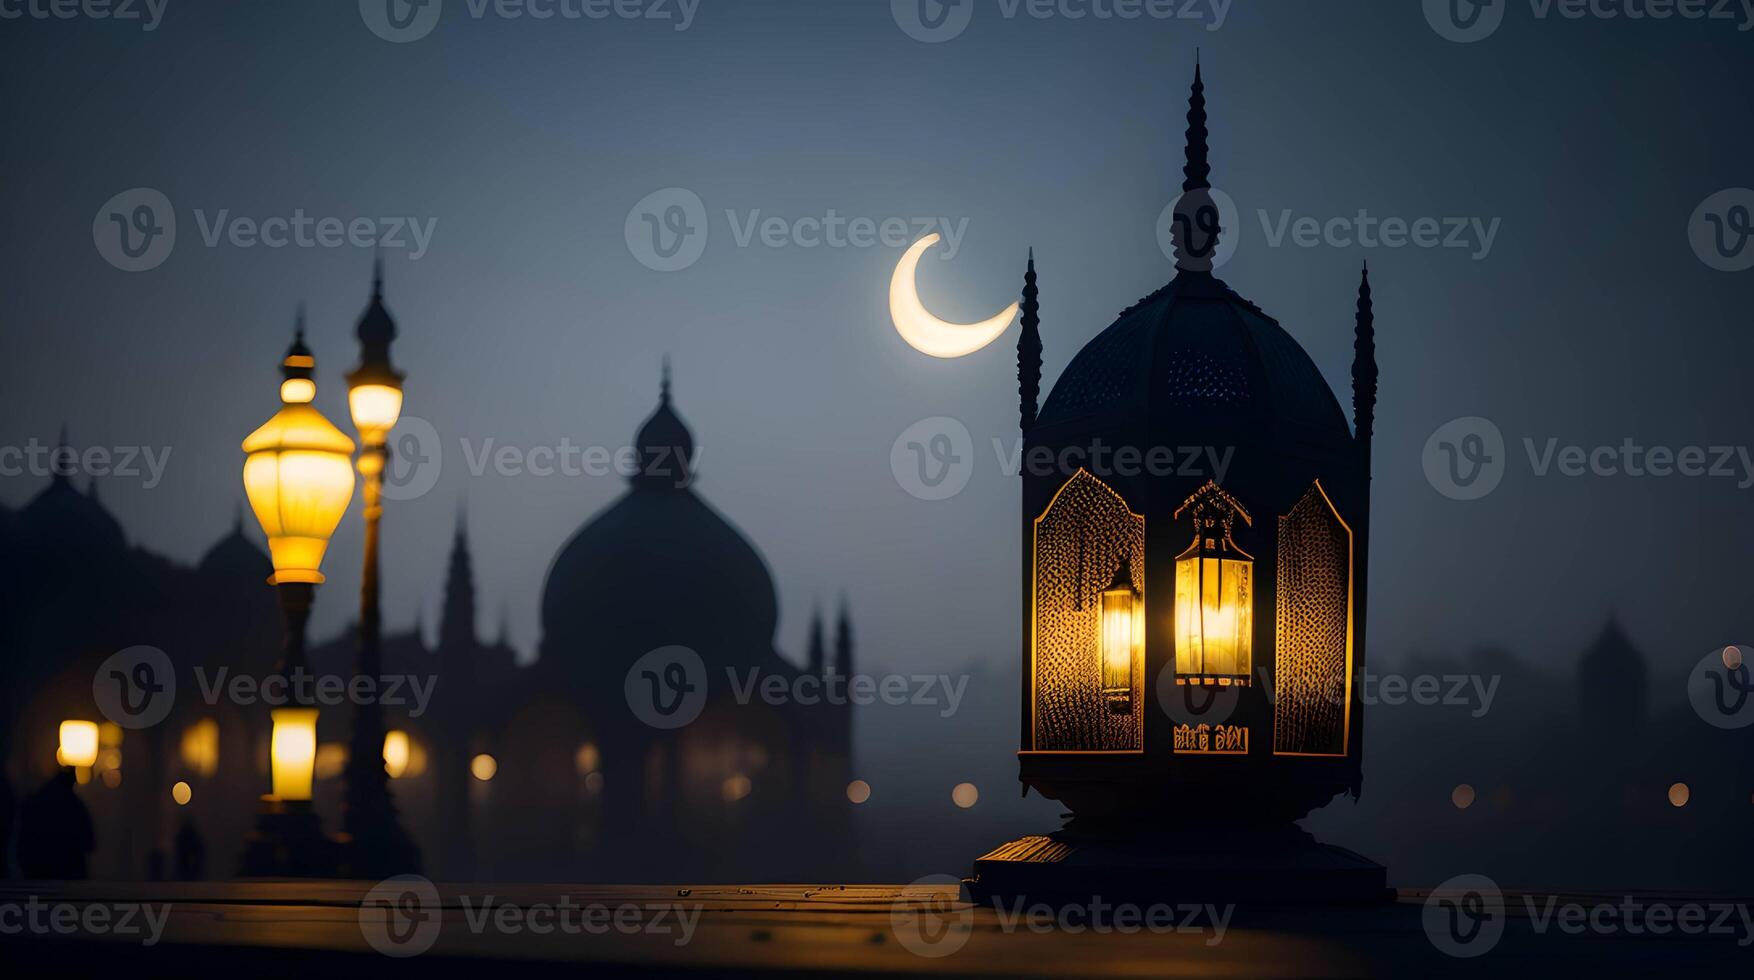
<point x="1147" y="866"/>
<point x="288" y="842"/>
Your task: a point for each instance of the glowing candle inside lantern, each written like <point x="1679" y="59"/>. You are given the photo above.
<point x="293" y="751"/>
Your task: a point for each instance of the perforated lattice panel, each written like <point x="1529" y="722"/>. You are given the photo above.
<point x="1199" y="378"/>
<point x="1313" y="643"/>
<point x="1079" y="542"/>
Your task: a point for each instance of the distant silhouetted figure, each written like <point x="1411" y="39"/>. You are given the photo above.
<point x="191" y="852"/>
<point x="54" y="831"/>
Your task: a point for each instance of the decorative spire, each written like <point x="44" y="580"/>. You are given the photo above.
<point x="1196" y="225"/>
<point x="1198" y="171"/>
<point x="818" y="654"/>
<point x="1364" y="366"/>
<point x="1029" y="351"/>
<point x="664" y="381"/>
<point x="61" y="460"/>
<point x="457" y="635"/>
<point x="843" y="641"/>
<point x="377" y="274"/>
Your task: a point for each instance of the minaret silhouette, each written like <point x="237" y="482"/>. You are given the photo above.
<point x="1364" y="370"/>
<point x="1029" y="351"/>
<point x="843" y="641"/>
<point x="818" y="656"/>
<point x="457" y="620"/>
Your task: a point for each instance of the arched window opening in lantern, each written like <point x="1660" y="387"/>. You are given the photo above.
<point x="1313" y="630"/>
<point x="1214" y="594"/>
<point x="1087" y="616"/>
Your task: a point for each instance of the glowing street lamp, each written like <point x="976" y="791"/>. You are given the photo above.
<point x="78" y="748"/>
<point x="379" y="846"/>
<point x="299" y="478"/>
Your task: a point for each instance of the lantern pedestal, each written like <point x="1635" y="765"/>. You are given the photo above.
<point x="288" y="842"/>
<point x="1158" y="864"/>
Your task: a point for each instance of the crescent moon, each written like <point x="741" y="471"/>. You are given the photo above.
<point x="925" y="332"/>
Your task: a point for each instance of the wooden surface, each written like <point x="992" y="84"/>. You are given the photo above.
<point x="309" y="928"/>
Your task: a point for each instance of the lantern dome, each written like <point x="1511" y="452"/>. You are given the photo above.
<point x="1196" y="351"/>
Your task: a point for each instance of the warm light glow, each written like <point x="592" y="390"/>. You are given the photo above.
<point x="1214" y="619"/>
<point x="923" y="331"/>
<point x="1123" y="636"/>
<point x="1463" y="796"/>
<point x="588" y="759"/>
<point x="112" y="778"/>
<point x="78" y="744"/>
<point x="1679" y="794"/>
<point x="1732" y="657"/>
<point x="858" y="791"/>
<point x="396" y="753"/>
<point x="293" y="751"/>
<point x="375" y="409"/>
<point x="200" y="748"/>
<point x="965" y="795"/>
<point x="182" y="793"/>
<point x="297" y="391"/>
<point x="736" y="787"/>
<point x="299" y="478"/>
<point x="483" y="767"/>
<point x="331" y="760"/>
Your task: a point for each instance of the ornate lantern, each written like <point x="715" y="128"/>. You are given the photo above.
<point x="1187" y="725"/>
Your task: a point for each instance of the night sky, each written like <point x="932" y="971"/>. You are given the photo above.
<point x="523" y="144"/>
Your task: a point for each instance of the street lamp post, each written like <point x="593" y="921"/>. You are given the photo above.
<point x="299" y="482"/>
<point x="377" y="844"/>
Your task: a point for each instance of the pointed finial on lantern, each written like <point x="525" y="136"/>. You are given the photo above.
<point x="664" y="380"/>
<point x="1195" y="228"/>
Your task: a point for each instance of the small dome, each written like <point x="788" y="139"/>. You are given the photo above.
<point x="235" y="558"/>
<point x="1196" y="348"/>
<point x="63" y="520"/>
<point x="659" y="566"/>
